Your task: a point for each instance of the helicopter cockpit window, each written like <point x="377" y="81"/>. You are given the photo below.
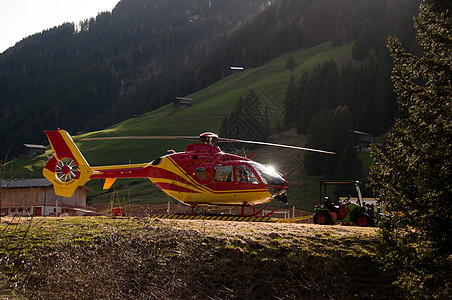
<point x="223" y="173"/>
<point x="201" y="173"/>
<point x="267" y="174"/>
<point x="244" y="174"/>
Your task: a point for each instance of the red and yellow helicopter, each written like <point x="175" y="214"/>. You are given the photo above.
<point x="201" y="175"/>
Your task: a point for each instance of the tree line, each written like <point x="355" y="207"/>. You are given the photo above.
<point x="411" y="175"/>
<point x="329" y="103"/>
<point x="103" y="70"/>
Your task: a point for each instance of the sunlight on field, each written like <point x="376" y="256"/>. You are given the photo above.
<point x="101" y="257"/>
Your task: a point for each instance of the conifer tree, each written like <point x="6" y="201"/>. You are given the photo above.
<point x="290" y="103"/>
<point x="412" y="175"/>
<point x="290" y="63"/>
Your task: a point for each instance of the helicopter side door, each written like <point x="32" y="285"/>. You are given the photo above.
<point x="244" y="175"/>
<point x="224" y="175"/>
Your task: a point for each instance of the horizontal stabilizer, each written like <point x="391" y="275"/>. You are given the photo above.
<point x="108" y="183"/>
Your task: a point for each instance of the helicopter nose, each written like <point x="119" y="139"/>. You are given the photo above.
<point x="275" y="190"/>
<point x="276" y="181"/>
<point x="278" y="188"/>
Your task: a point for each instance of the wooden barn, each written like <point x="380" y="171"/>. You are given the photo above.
<point x="31" y="150"/>
<point x="180" y="102"/>
<point x="363" y="140"/>
<point x="36" y="197"/>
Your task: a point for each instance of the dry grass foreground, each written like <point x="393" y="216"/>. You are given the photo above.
<point x="140" y="258"/>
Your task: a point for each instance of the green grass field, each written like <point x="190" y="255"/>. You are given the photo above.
<point x="210" y="106"/>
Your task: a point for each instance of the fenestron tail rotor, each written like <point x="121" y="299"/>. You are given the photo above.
<point x="66" y="170"/>
<point x="207" y="138"/>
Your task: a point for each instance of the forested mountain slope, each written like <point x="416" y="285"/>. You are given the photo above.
<point x="103" y="70"/>
<point x="91" y="75"/>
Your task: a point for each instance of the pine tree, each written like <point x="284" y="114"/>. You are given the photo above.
<point x="289" y="103"/>
<point x="330" y="129"/>
<point x="290" y="63"/>
<point x="412" y="175"/>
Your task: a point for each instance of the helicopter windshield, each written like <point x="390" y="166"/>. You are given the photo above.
<point x="267" y="174"/>
<point x="245" y="175"/>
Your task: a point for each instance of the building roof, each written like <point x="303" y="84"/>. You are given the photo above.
<point x="360" y="132"/>
<point x="27" y="183"/>
<point x="34" y="146"/>
<point x="20" y="183"/>
<point x="183" y="98"/>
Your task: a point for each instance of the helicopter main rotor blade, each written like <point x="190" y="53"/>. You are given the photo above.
<point x="142" y="138"/>
<point x="208" y="137"/>
<point x="275" y="145"/>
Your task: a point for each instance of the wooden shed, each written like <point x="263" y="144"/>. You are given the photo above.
<point x="31" y="150"/>
<point x="36" y="197"/>
<point x="180" y="102"/>
<point x="363" y="140"/>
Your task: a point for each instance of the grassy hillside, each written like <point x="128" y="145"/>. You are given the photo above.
<point x="106" y="258"/>
<point x="210" y="106"/>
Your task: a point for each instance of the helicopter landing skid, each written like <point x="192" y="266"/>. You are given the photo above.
<point x="213" y="216"/>
<point x="242" y="217"/>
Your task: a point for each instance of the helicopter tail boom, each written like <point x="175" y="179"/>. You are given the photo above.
<point x="67" y="169"/>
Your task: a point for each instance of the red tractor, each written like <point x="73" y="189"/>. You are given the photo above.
<point x="347" y="209"/>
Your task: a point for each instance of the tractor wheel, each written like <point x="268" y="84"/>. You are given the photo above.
<point x="363" y="220"/>
<point x="322" y="218"/>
